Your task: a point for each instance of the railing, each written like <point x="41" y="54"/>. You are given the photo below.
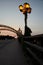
<point x="31" y="48"/>
<point x="34" y="45"/>
<point x="34" y="50"/>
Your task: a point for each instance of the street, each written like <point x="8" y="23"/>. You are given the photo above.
<point x="11" y="53"/>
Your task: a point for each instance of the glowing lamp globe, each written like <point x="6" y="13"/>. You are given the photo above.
<point x="25" y="8"/>
<point x="21" y="8"/>
<point x="26" y="5"/>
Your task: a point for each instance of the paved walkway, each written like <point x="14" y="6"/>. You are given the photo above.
<point x="11" y="53"/>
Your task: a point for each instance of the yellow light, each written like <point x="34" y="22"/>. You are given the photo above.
<point x="26" y="5"/>
<point x="21" y="8"/>
<point x="25" y="8"/>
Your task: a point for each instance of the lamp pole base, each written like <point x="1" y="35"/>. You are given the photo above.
<point x="27" y="31"/>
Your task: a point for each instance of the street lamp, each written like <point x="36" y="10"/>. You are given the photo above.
<point x="25" y="9"/>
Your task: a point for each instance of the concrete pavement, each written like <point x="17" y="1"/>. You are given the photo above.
<point x="11" y="53"/>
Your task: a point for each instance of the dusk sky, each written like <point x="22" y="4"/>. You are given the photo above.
<point x="11" y="16"/>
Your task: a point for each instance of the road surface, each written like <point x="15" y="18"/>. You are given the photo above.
<point x="11" y="53"/>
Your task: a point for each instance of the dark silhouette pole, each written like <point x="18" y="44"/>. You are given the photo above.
<point x="26" y="9"/>
<point x="26" y="19"/>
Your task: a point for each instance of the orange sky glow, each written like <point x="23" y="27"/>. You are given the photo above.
<point x="5" y="32"/>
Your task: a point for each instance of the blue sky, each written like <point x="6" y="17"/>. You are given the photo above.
<point x="11" y="16"/>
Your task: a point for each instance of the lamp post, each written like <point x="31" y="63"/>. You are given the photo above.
<point x="25" y="9"/>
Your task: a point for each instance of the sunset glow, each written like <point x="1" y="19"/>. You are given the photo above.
<point x="11" y="16"/>
<point x="3" y="32"/>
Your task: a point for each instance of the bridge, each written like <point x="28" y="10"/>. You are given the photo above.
<point x="25" y="52"/>
<point x="5" y="27"/>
